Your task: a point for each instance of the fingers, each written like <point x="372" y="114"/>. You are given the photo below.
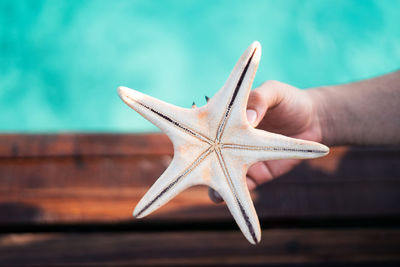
<point x="268" y="95"/>
<point x="260" y="173"/>
<point x="216" y="197"/>
<point x="265" y="97"/>
<point x="251" y="184"/>
<point x="280" y="167"/>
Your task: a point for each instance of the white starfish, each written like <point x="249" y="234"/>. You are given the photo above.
<point x="214" y="145"/>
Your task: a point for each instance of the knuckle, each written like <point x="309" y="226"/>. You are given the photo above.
<point x="256" y="97"/>
<point x="271" y="83"/>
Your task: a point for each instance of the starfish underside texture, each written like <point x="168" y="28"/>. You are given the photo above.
<point x="214" y="145"/>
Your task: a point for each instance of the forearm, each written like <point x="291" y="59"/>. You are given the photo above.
<point x="361" y="113"/>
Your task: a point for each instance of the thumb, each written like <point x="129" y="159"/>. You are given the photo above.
<point x="266" y="96"/>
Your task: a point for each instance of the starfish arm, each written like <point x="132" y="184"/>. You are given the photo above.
<point x="214" y="145"/>
<point x="180" y="174"/>
<point x="233" y="189"/>
<point x="231" y="100"/>
<point x="260" y="145"/>
<point x="175" y="121"/>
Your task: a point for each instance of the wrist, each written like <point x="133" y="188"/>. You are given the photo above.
<point x="323" y="118"/>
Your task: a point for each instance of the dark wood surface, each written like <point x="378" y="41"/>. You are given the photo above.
<point x="194" y="248"/>
<point x="75" y="193"/>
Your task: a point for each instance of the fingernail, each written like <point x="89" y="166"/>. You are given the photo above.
<point x="251" y="116"/>
<point x="250" y="183"/>
<point x="214" y="195"/>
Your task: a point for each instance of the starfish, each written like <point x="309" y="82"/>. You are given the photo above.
<point x="214" y="145"/>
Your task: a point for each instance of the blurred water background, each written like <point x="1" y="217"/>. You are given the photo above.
<point x="61" y="61"/>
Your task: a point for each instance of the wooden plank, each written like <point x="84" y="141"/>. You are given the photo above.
<point x="102" y="180"/>
<point x="55" y="145"/>
<point x="278" y="247"/>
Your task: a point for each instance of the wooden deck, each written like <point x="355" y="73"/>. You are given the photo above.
<point x="67" y="200"/>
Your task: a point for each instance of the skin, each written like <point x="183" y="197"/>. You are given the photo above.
<point x="361" y="113"/>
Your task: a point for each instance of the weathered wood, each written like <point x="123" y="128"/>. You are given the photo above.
<point x="55" y="145"/>
<point x="100" y="178"/>
<point x="58" y="183"/>
<point x="223" y="248"/>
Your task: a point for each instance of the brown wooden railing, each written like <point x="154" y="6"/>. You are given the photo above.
<point x="67" y="200"/>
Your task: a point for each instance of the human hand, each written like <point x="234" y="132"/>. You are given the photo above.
<point x="279" y="108"/>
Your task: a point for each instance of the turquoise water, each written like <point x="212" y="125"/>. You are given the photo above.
<point x="61" y="61"/>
